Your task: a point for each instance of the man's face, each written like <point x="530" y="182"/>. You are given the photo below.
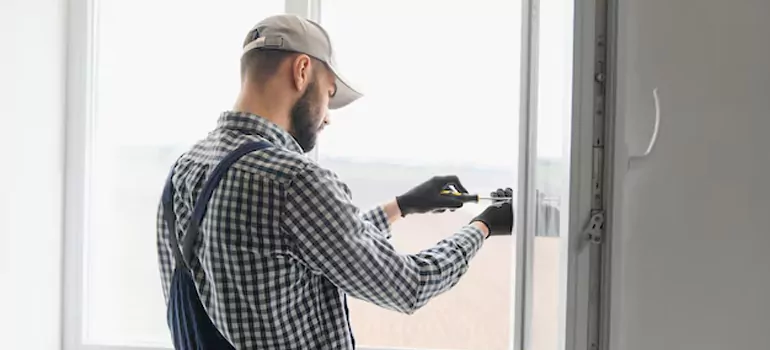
<point x="310" y="113"/>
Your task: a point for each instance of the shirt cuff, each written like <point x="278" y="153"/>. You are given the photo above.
<point x="379" y="219"/>
<point x="470" y="238"/>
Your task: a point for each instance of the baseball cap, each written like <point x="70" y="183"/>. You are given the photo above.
<point x="296" y="34"/>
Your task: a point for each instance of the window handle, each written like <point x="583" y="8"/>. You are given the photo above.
<point x="654" y="138"/>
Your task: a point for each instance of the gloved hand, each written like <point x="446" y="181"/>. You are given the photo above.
<point x="427" y="197"/>
<point x="498" y="217"/>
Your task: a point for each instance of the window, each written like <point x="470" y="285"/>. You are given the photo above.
<point x="424" y="115"/>
<point x="442" y="84"/>
<point x="160" y="83"/>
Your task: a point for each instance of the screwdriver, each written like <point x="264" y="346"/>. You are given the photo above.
<point x="472" y="197"/>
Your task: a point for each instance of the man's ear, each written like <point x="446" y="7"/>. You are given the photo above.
<point x="301" y="71"/>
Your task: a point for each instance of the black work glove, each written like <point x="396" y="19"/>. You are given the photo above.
<point x="427" y="197"/>
<point x="499" y="216"/>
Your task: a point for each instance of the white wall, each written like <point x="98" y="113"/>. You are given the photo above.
<point x="32" y="76"/>
<point x="692" y="236"/>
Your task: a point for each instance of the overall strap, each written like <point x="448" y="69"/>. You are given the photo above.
<point x="184" y="257"/>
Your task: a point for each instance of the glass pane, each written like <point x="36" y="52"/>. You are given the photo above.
<point x="165" y="70"/>
<point x="441" y="85"/>
<point x="552" y="174"/>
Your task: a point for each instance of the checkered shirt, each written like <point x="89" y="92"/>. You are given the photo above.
<point x="282" y="245"/>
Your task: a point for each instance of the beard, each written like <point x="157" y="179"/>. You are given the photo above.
<point x="305" y="119"/>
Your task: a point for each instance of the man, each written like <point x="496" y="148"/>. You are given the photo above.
<point x="281" y="244"/>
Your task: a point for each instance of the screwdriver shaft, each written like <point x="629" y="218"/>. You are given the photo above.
<point x="495" y="198"/>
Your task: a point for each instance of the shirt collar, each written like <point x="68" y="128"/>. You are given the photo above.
<point x="253" y="124"/>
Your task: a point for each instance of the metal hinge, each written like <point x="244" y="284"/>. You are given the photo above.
<point x="594" y="229"/>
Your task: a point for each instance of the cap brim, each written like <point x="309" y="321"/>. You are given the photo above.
<point x="345" y="93"/>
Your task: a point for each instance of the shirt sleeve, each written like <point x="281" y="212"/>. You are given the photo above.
<point x="338" y="242"/>
<point x="376" y="216"/>
<point x="379" y="219"/>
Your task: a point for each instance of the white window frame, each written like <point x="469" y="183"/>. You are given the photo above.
<point x="581" y="274"/>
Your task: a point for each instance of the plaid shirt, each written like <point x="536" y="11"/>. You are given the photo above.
<point x="281" y="245"/>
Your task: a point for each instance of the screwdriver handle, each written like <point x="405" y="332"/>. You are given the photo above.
<point x="462" y="196"/>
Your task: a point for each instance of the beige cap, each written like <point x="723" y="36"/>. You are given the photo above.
<point x="297" y="34"/>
